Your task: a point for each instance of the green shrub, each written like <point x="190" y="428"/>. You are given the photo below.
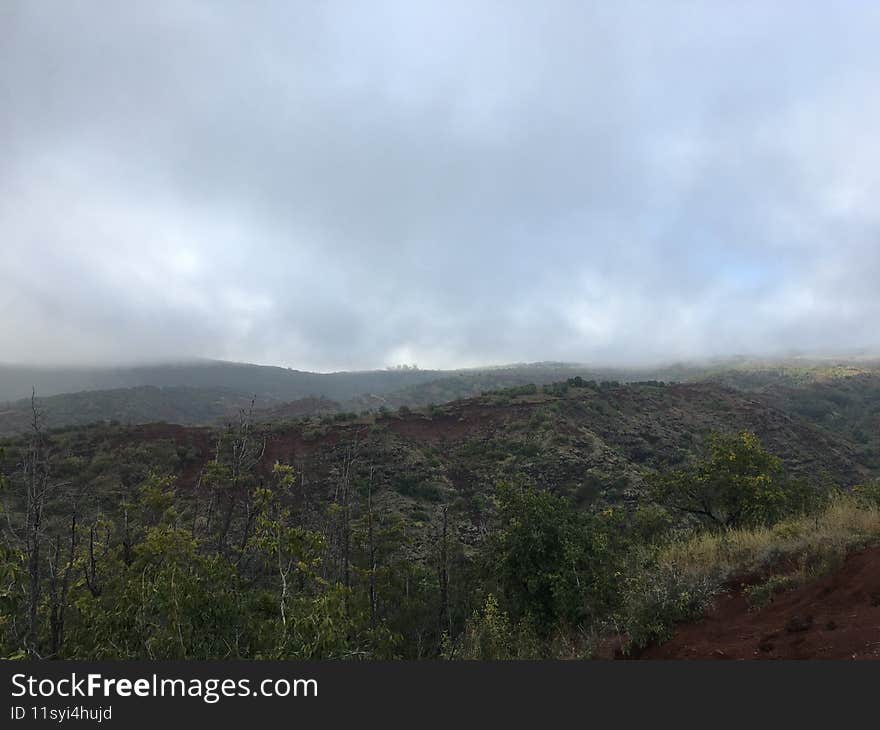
<point x="659" y="596"/>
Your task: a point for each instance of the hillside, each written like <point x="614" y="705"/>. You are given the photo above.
<point x="143" y="404"/>
<point x="151" y="404"/>
<point x="392" y="519"/>
<point x="591" y="442"/>
<point x="266" y="382"/>
<point x="211" y="392"/>
<point x="207" y="392"/>
<point x="848" y="406"/>
<point x="279" y="384"/>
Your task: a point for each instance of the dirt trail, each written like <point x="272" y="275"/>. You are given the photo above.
<point x="835" y="617"/>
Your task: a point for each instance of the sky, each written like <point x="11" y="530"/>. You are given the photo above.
<point x="447" y="183"/>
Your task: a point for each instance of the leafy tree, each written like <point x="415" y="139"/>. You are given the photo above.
<point x="554" y="564"/>
<point x="738" y="483"/>
<point x="290" y="553"/>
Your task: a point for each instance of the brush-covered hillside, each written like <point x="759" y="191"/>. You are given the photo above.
<point x="208" y="393"/>
<point x="531" y="514"/>
<point x="211" y="393"/>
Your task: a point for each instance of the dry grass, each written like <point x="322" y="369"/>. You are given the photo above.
<point x="845" y="525"/>
<point x="679" y="582"/>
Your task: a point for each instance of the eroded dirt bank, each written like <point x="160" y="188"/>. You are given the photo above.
<point x="835" y="617"/>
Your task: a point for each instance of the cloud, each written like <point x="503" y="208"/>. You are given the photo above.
<point x="339" y="185"/>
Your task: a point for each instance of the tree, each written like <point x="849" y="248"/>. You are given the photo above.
<point x="738" y="483"/>
<point x="287" y="551"/>
<point x="231" y="479"/>
<point x="554" y="564"/>
<point x="38" y="487"/>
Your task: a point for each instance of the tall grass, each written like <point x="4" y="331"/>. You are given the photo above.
<point x="847" y="523"/>
<point x="678" y="581"/>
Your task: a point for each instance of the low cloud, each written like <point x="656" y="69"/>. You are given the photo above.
<point x="332" y="186"/>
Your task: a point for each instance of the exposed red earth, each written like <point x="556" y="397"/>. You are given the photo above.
<point x="834" y="617"/>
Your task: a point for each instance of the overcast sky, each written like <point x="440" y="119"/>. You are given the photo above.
<point x="338" y="185"/>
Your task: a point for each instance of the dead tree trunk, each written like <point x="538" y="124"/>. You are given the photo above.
<point x="36" y="475"/>
<point x="372" y="551"/>
<point x="444" y="623"/>
<point x="59" y="584"/>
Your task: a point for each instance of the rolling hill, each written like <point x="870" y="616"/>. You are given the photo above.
<point x="207" y="393"/>
<point x="406" y="485"/>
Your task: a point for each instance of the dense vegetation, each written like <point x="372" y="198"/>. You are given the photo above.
<point x="533" y="521"/>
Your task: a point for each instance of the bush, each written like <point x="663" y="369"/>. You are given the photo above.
<point x="490" y="635"/>
<point x="659" y="596"/>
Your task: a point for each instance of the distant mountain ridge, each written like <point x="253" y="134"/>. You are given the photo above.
<point x="264" y="381"/>
<point x="206" y="392"/>
<point x="283" y="384"/>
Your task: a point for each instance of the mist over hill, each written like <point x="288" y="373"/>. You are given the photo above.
<point x="264" y="381"/>
<point x="208" y="392"/>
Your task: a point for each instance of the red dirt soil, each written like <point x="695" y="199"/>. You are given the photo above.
<point x="199" y="438"/>
<point x="834" y="617"/>
<point x="454" y="425"/>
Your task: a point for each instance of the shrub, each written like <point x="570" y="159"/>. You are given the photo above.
<point x="659" y="596"/>
<point x="490" y="635"/>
